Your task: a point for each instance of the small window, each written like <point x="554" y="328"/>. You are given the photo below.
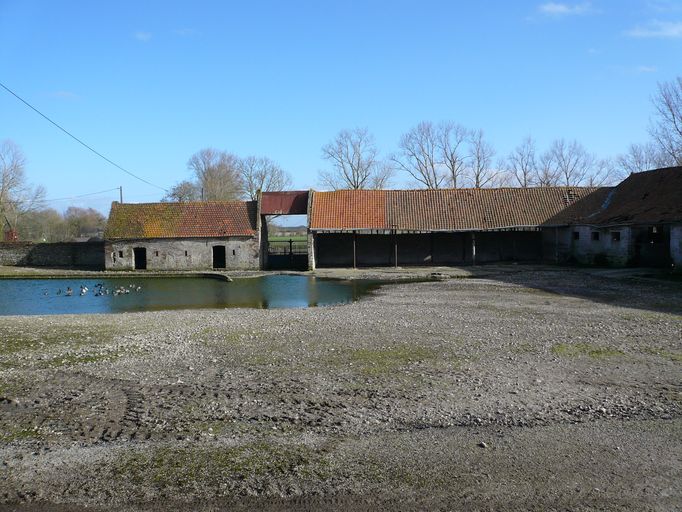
<point x="576" y="235"/>
<point x="234" y="253"/>
<point x="156" y="253"/>
<point x="615" y="236"/>
<point x="120" y="254"/>
<point x="186" y="253"/>
<point x="595" y="236"/>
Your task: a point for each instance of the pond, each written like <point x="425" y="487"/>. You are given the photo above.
<point x="117" y="295"/>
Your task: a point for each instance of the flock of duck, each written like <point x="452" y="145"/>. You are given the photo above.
<point x="99" y="290"/>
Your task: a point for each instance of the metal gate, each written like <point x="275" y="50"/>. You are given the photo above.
<point x="288" y="254"/>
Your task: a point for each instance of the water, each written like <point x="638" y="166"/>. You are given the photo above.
<point x="47" y="296"/>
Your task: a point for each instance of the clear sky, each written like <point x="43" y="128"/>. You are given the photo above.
<point x="149" y="83"/>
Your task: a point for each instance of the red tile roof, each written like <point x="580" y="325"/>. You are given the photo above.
<point x="441" y="210"/>
<point x="207" y="219"/>
<point x="349" y="209"/>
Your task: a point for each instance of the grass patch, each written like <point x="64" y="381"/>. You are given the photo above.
<point x="666" y="354"/>
<point x="16" y="341"/>
<point x="9" y="434"/>
<point x="385" y="360"/>
<point x="584" y="349"/>
<point x="189" y="467"/>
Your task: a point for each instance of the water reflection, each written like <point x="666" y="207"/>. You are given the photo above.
<point x="46" y="296"/>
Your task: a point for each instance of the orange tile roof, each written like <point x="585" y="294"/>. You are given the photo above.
<point x="182" y="220"/>
<point x="349" y="209"/>
<point x="441" y="210"/>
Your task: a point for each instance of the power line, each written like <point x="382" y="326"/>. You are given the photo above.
<point x="76" y="197"/>
<point x="77" y="139"/>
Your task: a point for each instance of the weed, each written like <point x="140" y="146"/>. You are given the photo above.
<point x="584" y="349"/>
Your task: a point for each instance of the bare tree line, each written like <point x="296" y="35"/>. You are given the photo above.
<point x="447" y="154"/>
<point x="219" y="175"/>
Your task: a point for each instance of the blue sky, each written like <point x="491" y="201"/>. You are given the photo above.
<point x="150" y="83"/>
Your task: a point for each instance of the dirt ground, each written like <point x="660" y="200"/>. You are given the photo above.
<point x="520" y="388"/>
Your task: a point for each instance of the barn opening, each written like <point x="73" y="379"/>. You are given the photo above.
<point x="140" y="258"/>
<point x="219" y="260"/>
<point x="284" y="238"/>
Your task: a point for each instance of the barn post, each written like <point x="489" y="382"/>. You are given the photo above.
<point x="473" y="248"/>
<point x="355" y="262"/>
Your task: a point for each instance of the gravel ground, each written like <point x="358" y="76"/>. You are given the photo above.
<point x="531" y="389"/>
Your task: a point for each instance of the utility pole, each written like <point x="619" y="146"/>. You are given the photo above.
<point x="120" y="194"/>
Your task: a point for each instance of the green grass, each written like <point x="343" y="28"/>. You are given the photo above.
<point x="10" y="434"/>
<point x="189" y="467"/>
<point x="16" y="341"/>
<point x="385" y="360"/>
<point x="295" y="238"/>
<point x="666" y="354"/>
<point x="584" y="349"/>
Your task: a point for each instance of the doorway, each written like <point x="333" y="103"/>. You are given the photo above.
<point x="218" y="256"/>
<point x="140" y="257"/>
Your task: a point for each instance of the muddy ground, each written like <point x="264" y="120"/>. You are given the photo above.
<point x="531" y="389"/>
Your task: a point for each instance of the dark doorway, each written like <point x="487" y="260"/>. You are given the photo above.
<point x="140" y="256"/>
<point x="218" y="256"/>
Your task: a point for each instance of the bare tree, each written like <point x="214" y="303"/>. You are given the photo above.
<point x="183" y="192"/>
<point x="355" y="161"/>
<point x="450" y="141"/>
<point x="667" y="127"/>
<point x="481" y="153"/>
<point x="572" y="162"/>
<point x="604" y="173"/>
<point x="260" y="173"/>
<point x="643" y="157"/>
<point x="17" y="196"/>
<point x="522" y="164"/>
<point x="547" y="174"/>
<point x="216" y="174"/>
<point x="420" y="155"/>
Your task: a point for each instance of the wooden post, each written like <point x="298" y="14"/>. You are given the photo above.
<point x="395" y="246"/>
<point x="355" y="261"/>
<point x="473" y="248"/>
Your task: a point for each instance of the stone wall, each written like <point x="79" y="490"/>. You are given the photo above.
<point x="596" y="246"/>
<point x="241" y="253"/>
<point x="86" y="255"/>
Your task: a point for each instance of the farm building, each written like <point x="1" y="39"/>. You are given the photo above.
<point x="353" y="228"/>
<point x="183" y="236"/>
<point x="638" y="222"/>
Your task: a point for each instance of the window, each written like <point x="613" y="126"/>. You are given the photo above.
<point x="615" y="236"/>
<point x="156" y="253"/>
<point x="234" y="253"/>
<point x="576" y="235"/>
<point x="120" y="254"/>
<point x="186" y="253"/>
<point x="595" y="236"/>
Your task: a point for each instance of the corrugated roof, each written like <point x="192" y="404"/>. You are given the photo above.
<point x="206" y="219"/>
<point x="284" y="203"/>
<point x="441" y="210"/>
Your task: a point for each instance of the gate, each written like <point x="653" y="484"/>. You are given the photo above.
<point x="288" y="254"/>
